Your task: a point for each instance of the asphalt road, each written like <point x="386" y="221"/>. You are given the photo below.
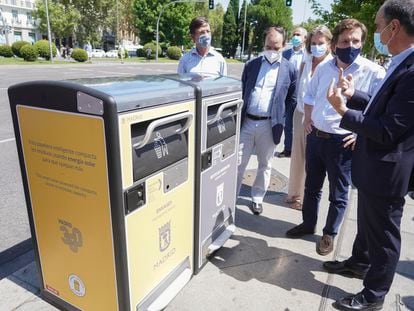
<point x="14" y="227"/>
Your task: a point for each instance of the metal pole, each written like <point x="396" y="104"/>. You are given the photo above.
<point x="117" y="24"/>
<point x="49" y="35"/>
<point x="244" y="31"/>
<point x="157" y="36"/>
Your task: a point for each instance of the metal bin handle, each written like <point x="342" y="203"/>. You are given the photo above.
<point x="157" y="123"/>
<point x="238" y="102"/>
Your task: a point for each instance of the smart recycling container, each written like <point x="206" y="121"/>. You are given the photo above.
<point x="108" y="174"/>
<point x="219" y="102"/>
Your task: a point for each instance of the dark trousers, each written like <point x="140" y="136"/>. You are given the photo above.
<point x="288" y="129"/>
<point x="377" y="243"/>
<point x="326" y="156"/>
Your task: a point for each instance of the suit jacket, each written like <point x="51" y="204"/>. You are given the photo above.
<point x="284" y="93"/>
<point x="383" y="159"/>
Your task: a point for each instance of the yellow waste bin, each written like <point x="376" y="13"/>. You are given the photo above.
<point x="108" y="174"/>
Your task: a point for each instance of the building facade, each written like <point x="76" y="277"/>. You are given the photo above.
<point x="17" y="22"/>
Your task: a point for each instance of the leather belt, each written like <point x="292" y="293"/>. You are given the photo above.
<point x="257" y="118"/>
<point x="321" y="134"/>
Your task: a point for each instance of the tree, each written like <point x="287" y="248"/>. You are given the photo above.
<point x="230" y="37"/>
<point x="265" y="13"/>
<point x="146" y="14"/>
<point x="242" y="26"/>
<point x="362" y="10"/>
<point x="63" y="18"/>
<point x="215" y="18"/>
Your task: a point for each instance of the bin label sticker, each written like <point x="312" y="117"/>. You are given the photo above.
<point x="165" y="236"/>
<point x="217" y="151"/>
<point x="219" y="194"/>
<point x="160" y="146"/>
<point x="76" y="285"/>
<point x="221" y="125"/>
<point x="71" y="235"/>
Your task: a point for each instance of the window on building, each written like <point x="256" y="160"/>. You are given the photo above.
<point x="15" y="14"/>
<point x="13" y="2"/>
<point x="32" y="37"/>
<point x="18" y="36"/>
<point x="29" y="18"/>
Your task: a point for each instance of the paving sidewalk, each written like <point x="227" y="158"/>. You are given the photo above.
<point x="258" y="268"/>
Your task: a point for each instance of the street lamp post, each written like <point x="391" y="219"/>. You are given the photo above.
<point x="159" y="17"/>
<point x="49" y="34"/>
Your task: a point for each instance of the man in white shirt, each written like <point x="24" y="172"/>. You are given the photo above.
<point x="202" y="58"/>
<point x="327" y="144"/>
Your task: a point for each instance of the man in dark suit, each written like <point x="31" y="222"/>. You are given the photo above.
<point x="383" y="159"/>
<point x="269" y="84"/>
<point x="296" y="55"/>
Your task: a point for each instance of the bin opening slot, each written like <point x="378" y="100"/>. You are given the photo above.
<point x="166" y="145"/>
<point x="224" y="127"/>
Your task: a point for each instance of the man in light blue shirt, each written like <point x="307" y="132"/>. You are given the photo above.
<point x="328" y="149"/>
<point x="202" y="58"/>
<point x="269" y="86"/>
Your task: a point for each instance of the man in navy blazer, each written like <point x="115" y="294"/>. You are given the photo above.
<point x="383" y="160"/>
<point x="269" y="84"/>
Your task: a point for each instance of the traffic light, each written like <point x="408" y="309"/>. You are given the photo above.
<point x="288" y="2"/>
<point x="211" y="4"/>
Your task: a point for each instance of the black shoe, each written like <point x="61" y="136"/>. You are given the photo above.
<point x="284" y="154"/>
<point x="299" y="231"/>
<point x="340" y="267"/>
<point x="357" y="302"/>
<point x="256" y="208"/>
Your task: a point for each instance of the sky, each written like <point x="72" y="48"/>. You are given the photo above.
<point x="301" y="8"/>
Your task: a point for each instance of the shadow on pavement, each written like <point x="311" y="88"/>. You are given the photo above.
<point x="275" y="266"/>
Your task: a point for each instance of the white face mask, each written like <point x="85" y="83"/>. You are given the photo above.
<point x="318" y="50"/>
<point x="271" y="55"/>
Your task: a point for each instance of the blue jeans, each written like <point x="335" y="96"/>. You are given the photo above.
<point x="326" y="156"/>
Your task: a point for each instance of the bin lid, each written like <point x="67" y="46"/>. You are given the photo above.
<point x="210" y="85"/>
<point x="140" y="91"/>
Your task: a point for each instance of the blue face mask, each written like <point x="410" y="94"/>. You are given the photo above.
<point x="318" y="50"/>
<point x="296" y="41"/>
<point x="381" y="48"/>
<point x="204" y="40"/>
<point x="347" y="55"/>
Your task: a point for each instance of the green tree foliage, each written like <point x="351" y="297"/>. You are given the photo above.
<point x="242" y="25"/>
<point x="235" y="5"/>
<point x="265" y="13"/>
<point x="230" y="36"/>
<point x="173" y="23"/>
<point x="215" y="18"/>
<point x="64" y="18"/>
<point x="362" y="10"/>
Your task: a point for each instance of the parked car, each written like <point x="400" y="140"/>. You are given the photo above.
<point x="112" y="54"/>
<point x="98" y="53"/>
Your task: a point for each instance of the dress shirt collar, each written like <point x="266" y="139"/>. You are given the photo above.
<point x="211" y="52"/>
<point x="399" y="58"/>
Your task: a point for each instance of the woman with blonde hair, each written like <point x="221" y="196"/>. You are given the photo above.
<point x="319" y="48"/>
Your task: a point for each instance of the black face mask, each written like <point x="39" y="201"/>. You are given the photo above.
<point x="347" y="55"/>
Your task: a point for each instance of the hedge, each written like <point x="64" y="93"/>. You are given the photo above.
<point x="80" y="55"/>
<point x="29" y="53"/>
<point x="43" y="48"/>
<point x="174" y="52"/>
<point x="16" y="46"/>
<point x="6" y="51"/>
